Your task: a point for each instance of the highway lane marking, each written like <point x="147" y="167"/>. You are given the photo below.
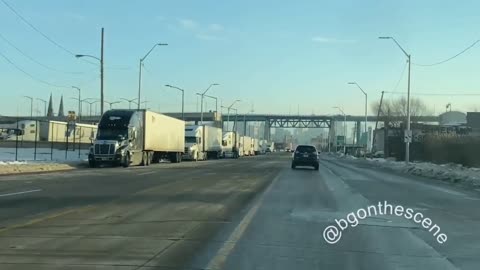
<point x="222" y="254"/>
<point x="20" y="192"/>
<point x="145" y="173"/>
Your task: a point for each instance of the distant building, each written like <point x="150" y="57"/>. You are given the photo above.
<point x="453" y="118"/>
<point x="473" y="121"/>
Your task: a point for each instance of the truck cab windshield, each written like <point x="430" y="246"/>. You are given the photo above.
<point x="190" y="139"/>
<point x="112" y="134"/>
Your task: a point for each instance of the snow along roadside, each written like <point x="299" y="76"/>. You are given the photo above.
<point x="17" y="167"/>
<point x="454" y="173"/>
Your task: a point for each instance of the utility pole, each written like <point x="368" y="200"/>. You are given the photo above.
<point x="101" y="75"/>
<point x="408" y="132"/>
<point x="376" y="122"/>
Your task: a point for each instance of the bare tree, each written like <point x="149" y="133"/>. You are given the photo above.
<point x="398" y="108"/>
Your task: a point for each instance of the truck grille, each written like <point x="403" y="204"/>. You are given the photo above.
<point x="104" y="149"/>
<point x="186" y="149"/>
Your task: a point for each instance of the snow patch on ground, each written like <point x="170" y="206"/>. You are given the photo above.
<point x="455" y="173"/>
<point x="45" y="160"/>
<point x="5" y="163"/>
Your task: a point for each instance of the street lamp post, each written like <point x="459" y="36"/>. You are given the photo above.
<point x="201" y="103"/>
<point x="44" y="105"/>
<point x="101" y="69"/>
<point x="366" y="102"/>
<point x="408" y="132"/>
<point x="79" y="98"/>
<point x="235" y="121"/>
<point x="140" y="70"/>
<point x="90" y="103"/>
<point x="344" y="129"/>
<point x="183" y="97"/>
<point x="129" y="102"/>
<point x="82" y="100"/>
<point x="31" y="105"/>
<point x="216" y="101"/>
<point x="228" y="112"/>
<point x="111" y="103"/>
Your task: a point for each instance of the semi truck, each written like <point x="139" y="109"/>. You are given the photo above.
<point x="263" y="144"/>
<point x="202" y="142"/>
<point x="231" y="144"/>
<point x="271" y="147"/>
<point x="137" y="137"/>
<point x="255" y="146"/>
<point x="246" y="145"/>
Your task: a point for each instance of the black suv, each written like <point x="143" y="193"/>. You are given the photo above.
<point x="305" y="155"/>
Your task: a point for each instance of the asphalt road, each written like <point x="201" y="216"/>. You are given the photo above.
<point x="251" y="213"/>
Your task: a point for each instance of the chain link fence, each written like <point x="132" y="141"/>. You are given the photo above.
<point x="26" y="139"/>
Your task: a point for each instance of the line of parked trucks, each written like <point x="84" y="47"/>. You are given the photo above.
<point x="142" y="137"/>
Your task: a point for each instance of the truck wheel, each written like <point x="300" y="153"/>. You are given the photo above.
<point x="91" y="164"/>
<point x="155" y="158"/>
<point x="149" y="158"/>
<point x="126" y="161"/>
<point x="144" y="159"/>
<point x="173" y="157"/>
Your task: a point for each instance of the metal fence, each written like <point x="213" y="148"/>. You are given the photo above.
<point x="463" y="150"/>
<point x="438" y="148"/>
<point x="26" y="139"/>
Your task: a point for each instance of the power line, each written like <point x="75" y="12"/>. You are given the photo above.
<point x="437" y="94"/>
<point x="36" y="29"/>
<point x="401" y="77"/>
<point x="28" y="74"/>
<point x="41" y="33"/>
<point x="89" y="81"/>
<point x="34" y="60"/>
<point x="448" y="59"/>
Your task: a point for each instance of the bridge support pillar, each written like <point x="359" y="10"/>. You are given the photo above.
<point x="266" y="130"/>
<point x="332" y="138"/>
<point x="358" y="132"/>
<point x="245" y="128"/>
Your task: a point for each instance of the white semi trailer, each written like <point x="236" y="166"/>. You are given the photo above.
<point x="246" y="144"/>
<point x="137" y="137"/>
<point x="256" y="146"/>
<point x="231" y="144"/>
<point x="202" y="142"/>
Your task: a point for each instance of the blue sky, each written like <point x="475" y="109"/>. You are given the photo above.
<point x="276" y="55"/>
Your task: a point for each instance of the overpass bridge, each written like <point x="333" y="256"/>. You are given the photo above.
<point x="271" y="120"/>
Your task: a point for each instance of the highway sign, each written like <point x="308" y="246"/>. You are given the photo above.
<point x="407" y="138"/>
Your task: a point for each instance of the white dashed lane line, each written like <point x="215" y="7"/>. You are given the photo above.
<point x="19" y="193"/>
